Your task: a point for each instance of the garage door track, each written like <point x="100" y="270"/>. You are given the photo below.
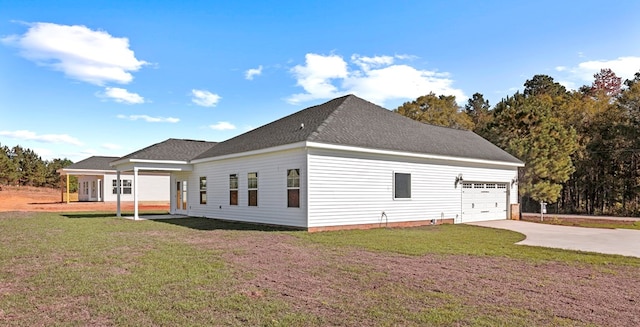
<point x="610" y="241"/>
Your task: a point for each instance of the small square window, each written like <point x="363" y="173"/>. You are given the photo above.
<point x="402" y="186"/>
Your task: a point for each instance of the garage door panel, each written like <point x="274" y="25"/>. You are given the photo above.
<point x="484" y="201"/>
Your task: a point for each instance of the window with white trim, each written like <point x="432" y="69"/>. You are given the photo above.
<point x="401" y="186"/>
<point x="293" y="188"/>
<point x="203" y="190"/>
<point x="125" y="186"/>
<point x="233" y="189"/>
<point x="252" y="189"/>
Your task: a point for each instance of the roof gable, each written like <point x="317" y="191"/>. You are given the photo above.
<point x="294" y="128"/>
<point x="352" y="121"/>
<point x="171" y="150"/>
<point x="93" y="163"/>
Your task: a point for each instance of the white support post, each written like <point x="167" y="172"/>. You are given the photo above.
<point x="118" y="193"/>
<point x="135" y="193"/>
<point x="68" y="189"/>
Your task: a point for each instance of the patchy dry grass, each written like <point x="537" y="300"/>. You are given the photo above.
<point x="92" y="269"/>
<point x="461" y="240"/>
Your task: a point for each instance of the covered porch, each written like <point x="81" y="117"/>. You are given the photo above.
<point x="136" y="167"/>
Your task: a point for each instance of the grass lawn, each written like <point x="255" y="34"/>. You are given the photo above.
<point x="93" y="269"/>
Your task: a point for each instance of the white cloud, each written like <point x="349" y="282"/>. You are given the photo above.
<point x="249" y="74"/>
<point x="366" y="63"/>
<point x="122" y="95"/>
<point x="111" y="146"/>
<point x="561" y="68"/>
<point x="80" y="53"/>
<point x="222" y="126"/>
<point x="45" y="138"/>
<point x="377" y="79"/>
<point x="316" y="77"/>
<point x="150" y="119"/>
<point x="401" y="82"/>
<point x="204" y="98"/>
<point x="582" y="74"/>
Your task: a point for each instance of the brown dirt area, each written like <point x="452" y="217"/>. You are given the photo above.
<point x="340" y="284"/>
<point x="49" y="200"/>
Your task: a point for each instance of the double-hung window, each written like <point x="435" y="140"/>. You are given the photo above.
<point x="293" y="188"/>
<point x="203" y="190"/>
<point x="125" y="186"/>
<point x="233" y="189"/>
<point x="252" y="187"/>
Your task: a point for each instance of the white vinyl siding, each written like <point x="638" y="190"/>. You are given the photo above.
<point x="272" y="201"/>
<point x="153" y="187"/>
<point x="348" y="188"/>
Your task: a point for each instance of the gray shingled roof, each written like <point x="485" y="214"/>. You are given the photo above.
<point x="171" y="149"/>
<point x="93" y="163"/>
<point x="352" y="121"/>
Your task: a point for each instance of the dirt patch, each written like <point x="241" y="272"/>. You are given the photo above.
<point x="336" y="283"/>
<point x="555" y="220"/>
<point x="49" y="200"/>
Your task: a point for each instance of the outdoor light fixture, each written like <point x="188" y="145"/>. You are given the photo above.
<point x="514" y="181"/>
<point x="458" y="179"/>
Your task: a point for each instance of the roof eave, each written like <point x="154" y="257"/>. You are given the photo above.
<point x="284" y="147"/>
<point x="128" y="160"/>
<point x="331" y="146"/>
<point x="74" y="171"/>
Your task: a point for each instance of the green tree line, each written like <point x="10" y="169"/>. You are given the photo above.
<point x="23" y="167"/>
<point x="581" y="147"/>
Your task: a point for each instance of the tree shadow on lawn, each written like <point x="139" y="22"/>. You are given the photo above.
<point x="107" y="214"/>
<point x="205" y="224"/>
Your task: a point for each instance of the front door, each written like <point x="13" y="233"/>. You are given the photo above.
<point x="181" y="205"/>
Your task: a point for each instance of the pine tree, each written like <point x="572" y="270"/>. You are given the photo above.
<point x="436" y="110"/>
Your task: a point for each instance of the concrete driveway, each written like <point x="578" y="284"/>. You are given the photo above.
<point x="611" y="241"/>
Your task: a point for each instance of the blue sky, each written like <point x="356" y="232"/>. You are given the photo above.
<point x="82" y="78"/>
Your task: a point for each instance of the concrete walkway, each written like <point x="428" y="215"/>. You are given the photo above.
<point x="611" y="241"/>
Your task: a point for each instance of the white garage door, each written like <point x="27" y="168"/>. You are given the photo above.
<point x="483" y="201"/>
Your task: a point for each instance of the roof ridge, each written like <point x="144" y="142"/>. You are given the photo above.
<point x="329" y="118"/>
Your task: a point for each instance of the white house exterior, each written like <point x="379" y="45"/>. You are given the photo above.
<point x="97" y="182"/>
<point x="344" y="164"/>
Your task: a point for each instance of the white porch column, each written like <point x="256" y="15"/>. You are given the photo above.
<point x="118" y="193"/>
<point x="135" y="193"/>
<point x="68" y="189"/>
